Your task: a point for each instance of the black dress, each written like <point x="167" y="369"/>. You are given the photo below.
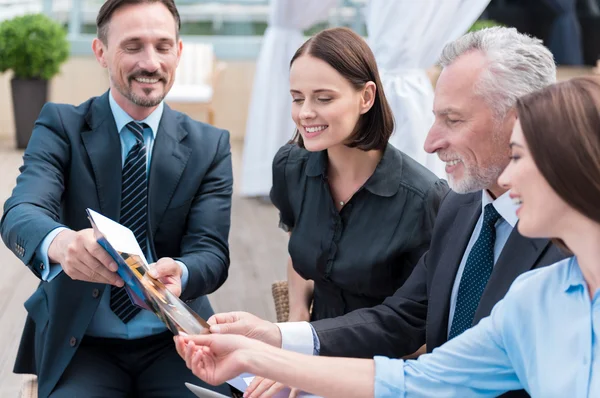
<point x="360" y="255"/>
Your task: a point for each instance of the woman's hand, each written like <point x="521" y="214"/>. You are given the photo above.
<point x="265" y="388"/>
<point x="216" y="358"/>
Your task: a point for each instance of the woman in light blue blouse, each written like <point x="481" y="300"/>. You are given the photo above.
<point x="543" y="336"/>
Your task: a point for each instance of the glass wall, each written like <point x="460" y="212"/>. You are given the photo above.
<point x="235" y="27"/>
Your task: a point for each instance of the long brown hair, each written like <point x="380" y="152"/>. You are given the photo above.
<point x="561" y="125"/>
<point x="350" y="56"/>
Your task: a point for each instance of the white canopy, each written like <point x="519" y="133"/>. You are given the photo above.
<point x="407" y="37"/>
<point x="269" y="124"/>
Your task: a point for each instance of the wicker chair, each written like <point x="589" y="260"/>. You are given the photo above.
<point x="282" y="309"/>
<point x="281" y="300"/>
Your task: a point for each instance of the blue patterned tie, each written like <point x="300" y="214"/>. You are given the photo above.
<point x="476" y="274"/>
<point x="134" y="211"/>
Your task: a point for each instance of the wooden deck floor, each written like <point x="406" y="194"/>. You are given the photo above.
<point x="258" y="257"/>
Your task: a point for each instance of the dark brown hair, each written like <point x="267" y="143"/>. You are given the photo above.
<point x="350" y="56"/>
<point x="561" y="125"/>
<point x="110" y="6"/>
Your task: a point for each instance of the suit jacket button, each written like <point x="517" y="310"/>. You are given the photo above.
<point x="95" y="293"/>
<point x="42" y="266"/>
<point x="72" y="341"/>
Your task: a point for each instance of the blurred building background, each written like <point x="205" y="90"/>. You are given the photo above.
<point x="234" y="31"/>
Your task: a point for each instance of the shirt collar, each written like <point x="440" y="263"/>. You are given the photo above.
<point x="572" y="277"/>
<point x="385" y="180"/>
<point x="122" y="117"/>
<point x="503" y="205"/>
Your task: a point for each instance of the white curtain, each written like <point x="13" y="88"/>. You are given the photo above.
<point x="407" y="37"/>
<point x="269" y="124"/>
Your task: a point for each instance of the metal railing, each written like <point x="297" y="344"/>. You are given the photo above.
<point x="234" y="27"/>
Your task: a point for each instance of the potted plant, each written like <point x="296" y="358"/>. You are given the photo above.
<point x="483" y="24"/>
<point x="34" y="47"/>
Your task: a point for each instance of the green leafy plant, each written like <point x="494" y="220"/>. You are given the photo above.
<point x="484" y="23"/>
<point x="33" y="46"/>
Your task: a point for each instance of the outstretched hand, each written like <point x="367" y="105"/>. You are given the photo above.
<point x="246" y="324"/>
<point x="216" y="358"/>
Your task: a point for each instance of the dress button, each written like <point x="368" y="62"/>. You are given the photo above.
<point x="72" y="341"/>
<point x="42" y="266"/>
<point x="95" y="293"/>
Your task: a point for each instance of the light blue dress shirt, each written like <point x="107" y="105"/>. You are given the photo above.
<point x="504" y="226"/>
<point x="542" y="337"/>
<point x="105" y="323"/>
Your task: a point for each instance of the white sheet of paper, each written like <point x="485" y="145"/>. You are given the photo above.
<point x="243" y="381"/>
<point x="121" y="237"/>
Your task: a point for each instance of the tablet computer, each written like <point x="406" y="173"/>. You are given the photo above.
<point x="202" y="392"/>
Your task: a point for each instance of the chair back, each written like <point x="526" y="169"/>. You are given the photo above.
<point x="196" y="65"/>
<point x="281" y="300"/>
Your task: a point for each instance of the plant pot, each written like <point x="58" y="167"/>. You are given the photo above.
<point x="29" y="96"/>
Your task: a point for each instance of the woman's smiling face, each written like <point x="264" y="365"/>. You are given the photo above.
<point x="326" y="107"/>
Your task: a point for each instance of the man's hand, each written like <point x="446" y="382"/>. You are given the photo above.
<point x="82" y="258"/>
<point x="169" y="273"/>
<point x="246" y="324"/>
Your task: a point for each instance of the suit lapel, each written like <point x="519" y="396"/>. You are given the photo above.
<point x="519" y="255"/>
<point x="445" y="274"/>
<point x="103" y="146"/>
<point x="169" y="159"/>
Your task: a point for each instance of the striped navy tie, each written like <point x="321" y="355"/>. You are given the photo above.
<point x="134" y="211"/>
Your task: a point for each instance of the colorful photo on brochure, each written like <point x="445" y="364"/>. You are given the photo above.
<point x="143" y="290"/>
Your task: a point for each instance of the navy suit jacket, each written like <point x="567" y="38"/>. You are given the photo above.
<point x="72" y="162"/>
<point x="419" y="310"/>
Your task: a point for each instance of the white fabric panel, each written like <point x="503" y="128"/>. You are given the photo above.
<point x="269" y="124"/>
<point x="193" y="80"/>
<point x="407" y="37"/>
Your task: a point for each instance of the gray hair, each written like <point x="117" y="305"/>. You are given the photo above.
<point x="518" y="64"/>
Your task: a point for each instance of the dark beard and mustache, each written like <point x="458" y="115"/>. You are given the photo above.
<point x="146" y="102"/>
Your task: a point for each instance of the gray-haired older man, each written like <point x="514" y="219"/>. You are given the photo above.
<point x="475" y="252"/>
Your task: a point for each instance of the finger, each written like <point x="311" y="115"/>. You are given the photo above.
<point x="198" y="364"/>
<point x="255" y="383"/>
<point x="100" y="255"/>
<point x="234" y="327"/>
<point x="204" y="367"/>
<point x="180" y="346"/>
<point x="100" y="273"/>
<point x="189" y="353"/>
<point x="92" y="271"/>
<point x="164" y="268"/>
<point x="94" y="265"/>
<point x="223" y="318"/>
<point x="273" y="389"/>
<point x="265" y="385"/>
<point x="212" y="320"/>
<point x="200" y="339"/>
<point x="87" y="239"/>
<point x="294" y="393"/>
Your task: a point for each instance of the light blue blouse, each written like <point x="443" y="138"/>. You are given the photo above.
<point x="542" y="337"/>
